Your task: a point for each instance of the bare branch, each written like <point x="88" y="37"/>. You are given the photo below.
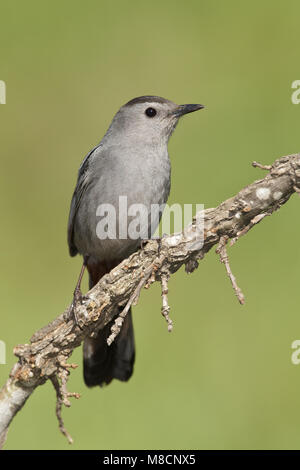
<point x="116" y="328"/>
<point x="165" y="304"/>
<point x="222" y="252"/>
<point x="262" y="167"/>
<point x="59" y="403"/>
<point x="246" y="229"/>
<point x="50" y="347"/>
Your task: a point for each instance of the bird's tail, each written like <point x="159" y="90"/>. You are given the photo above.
<point x="103" y="363"/>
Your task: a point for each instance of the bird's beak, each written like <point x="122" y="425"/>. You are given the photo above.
<point x="187" y="108"/>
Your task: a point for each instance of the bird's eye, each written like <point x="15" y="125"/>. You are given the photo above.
<point x="150" y="112"/>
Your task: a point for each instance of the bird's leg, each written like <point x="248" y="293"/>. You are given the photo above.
<point x="77" y="294"/>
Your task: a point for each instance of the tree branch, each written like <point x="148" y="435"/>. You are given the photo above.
<point x="49" y="349"/>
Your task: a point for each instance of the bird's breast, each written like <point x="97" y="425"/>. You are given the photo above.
<point x="124" y="195"/>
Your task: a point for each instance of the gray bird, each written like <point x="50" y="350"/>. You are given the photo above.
<point x="131" y="160"/>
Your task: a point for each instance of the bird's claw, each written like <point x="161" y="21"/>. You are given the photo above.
<point x="77" y="301"/>
<point x="144" y="242"/>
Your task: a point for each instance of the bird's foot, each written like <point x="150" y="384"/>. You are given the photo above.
<point x="76" y="302"/>
<point x="144" y="242"/>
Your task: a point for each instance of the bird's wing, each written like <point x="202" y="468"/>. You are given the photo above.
<point x="81" y="186"/>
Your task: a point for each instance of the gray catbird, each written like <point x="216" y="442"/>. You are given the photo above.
<point x="131" y="160"/>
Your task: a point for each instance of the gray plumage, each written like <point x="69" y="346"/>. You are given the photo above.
<point x="132" y="160"/>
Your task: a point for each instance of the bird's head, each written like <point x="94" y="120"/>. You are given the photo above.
<point x="150" y="118"/>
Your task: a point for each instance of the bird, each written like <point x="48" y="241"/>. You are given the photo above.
<point x="131" y="161"/>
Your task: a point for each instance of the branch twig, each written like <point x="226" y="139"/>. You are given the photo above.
<point x="246" y="229"/>
<point x="262" y="167"/>
<point x="165" y="309"/>
<point x="116" y="328"/>
<point x="222" y="252"/>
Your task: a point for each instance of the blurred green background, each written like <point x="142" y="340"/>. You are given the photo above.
<point x="224" y="377"/>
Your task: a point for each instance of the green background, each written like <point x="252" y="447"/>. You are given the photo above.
<point x="224" y="377"/>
